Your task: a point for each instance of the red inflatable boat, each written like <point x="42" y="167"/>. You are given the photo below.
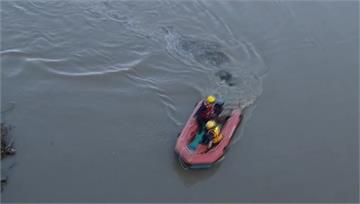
<point x="201" y="156"/>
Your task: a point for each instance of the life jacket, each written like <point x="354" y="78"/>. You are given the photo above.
<point x="209" y="112"/>
<point x="216" y="133"/>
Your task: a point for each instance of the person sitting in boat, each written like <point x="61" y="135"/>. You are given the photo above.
<point x="208" y="110"/>
<point x="213" y="134"/>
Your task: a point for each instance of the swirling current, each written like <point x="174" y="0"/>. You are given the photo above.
<point x="99" y="90"/>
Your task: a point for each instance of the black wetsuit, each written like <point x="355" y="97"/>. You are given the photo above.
<point x="218" y="107"/>
<point x="207" y="137"/>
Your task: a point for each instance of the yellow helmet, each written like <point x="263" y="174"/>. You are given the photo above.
<point x="211" y="99"/>
<point x="210" y="124"/>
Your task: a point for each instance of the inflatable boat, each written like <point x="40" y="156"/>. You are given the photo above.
<point x="192" y="153"/>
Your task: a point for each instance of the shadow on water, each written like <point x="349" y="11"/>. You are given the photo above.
<point x="226" y="77"/>
<point x="235" y="79"/>
<point x="204" y="51"/>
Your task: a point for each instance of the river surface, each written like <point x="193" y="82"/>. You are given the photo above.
<point x="102" y="88"/>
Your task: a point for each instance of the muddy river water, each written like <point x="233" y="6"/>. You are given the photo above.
<point x="101" y="89"/>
